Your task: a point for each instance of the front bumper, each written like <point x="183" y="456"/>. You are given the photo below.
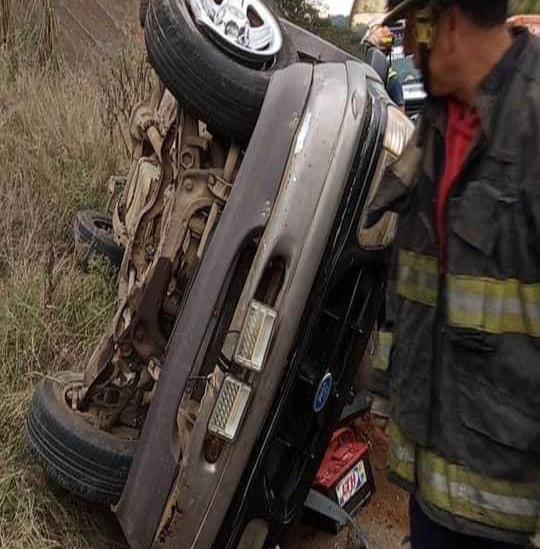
<point x="302" y="185"/>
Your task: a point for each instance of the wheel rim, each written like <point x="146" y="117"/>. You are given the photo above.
<point x="245" y="28"/>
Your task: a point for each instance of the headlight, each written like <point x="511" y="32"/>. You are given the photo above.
<point x="230" y="408"/>
<point x="398" y="131"/>
<point x="255" y="336"/>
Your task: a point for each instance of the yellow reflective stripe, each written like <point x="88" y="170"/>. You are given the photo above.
<point x="456" y="490"/>
<point x="497" y="503"/>
<point x="401" y="455"/>
<point x="494" y="306"/>
<point x="381" y="360"/>
<point x="417" y="277"/>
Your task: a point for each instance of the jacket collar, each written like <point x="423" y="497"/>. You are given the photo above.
<point x="494" y="85"/>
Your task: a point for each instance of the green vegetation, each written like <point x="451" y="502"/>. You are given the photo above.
<point x="525" y="6"/>
<point x="302" y="13"/>
<point x="59" y="143"/>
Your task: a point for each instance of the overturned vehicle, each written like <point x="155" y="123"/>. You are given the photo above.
<point x="248" y="287"/>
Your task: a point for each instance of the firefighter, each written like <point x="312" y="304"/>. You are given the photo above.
<point x="383" y="39"/>
<point x="380" y="38"/>
<point x="465" y="358"/>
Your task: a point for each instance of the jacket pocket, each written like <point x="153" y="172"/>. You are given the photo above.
<point x="473" y="216"/>
<point x="493" y="413"/>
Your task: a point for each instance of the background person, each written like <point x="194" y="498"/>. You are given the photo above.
<point x="381" y="38"/>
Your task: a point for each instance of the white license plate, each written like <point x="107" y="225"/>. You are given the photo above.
<point x="351" y="483"/>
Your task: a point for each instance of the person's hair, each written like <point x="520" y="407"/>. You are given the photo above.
<point x="484" y="13"/>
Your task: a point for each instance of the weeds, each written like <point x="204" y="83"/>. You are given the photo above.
<point x="6" y="14"/>
<point x="29" y="33"/>
<point x="126" y="83"/>
<point x="55" y="158"/>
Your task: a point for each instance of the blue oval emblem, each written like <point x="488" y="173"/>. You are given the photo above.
<point x="323" y="392"/>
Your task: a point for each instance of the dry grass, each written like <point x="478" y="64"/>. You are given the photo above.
<point x="56" y="152"/>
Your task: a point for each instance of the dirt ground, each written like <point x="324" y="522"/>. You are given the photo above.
<point x="92" y="31"/>
<point x="384" y="519"/>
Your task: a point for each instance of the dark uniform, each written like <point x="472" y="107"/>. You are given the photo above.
<point x="465" y="361"/>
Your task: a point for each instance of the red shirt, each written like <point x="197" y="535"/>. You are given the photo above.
<point x="461" y="131"/>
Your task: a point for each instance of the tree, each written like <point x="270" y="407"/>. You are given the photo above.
<point x="304" y="14"/>
<point x="525" y="6"/>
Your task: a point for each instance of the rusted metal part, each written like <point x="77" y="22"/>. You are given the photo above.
<point x="191" y="196"/>
<point x="102" y="355"/>
<point x="143" y="125"/>
<point x="209" y="227"/>
<point x="151" y="120"/>
<point x="154" y="368"/>
<point x="145" y="179"/>
<point x="159" y="116"/>
<point x="168" y="210"/>
<point x="144" y="331"/>
<point x="144" y="234"/>
<point x="116" y="340"/>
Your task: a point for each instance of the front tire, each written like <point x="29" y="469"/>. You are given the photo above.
<point x="88" y="462"/>
<point x="204" y="79"/>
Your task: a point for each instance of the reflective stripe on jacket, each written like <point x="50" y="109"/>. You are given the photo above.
<point x="380" y="374"/>
<point x="477" y="303"/>
<point x="457" y="490"/>
<point x="465" y="363"/>
<point x="381" y="359"/>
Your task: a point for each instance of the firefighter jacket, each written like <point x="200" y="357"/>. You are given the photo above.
<point x="465" y="360"/>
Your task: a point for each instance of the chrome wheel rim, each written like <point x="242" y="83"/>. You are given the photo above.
<point x="245" y="28"/>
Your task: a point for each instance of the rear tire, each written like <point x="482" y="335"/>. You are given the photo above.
<point x="88" y="462"/>
<point x="205" y="80"/>
<point x="93" y="231"/>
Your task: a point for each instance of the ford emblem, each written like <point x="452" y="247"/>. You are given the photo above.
<point x="323" y="392"/>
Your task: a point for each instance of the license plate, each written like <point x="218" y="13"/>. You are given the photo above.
<point x="351" y="483"/>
